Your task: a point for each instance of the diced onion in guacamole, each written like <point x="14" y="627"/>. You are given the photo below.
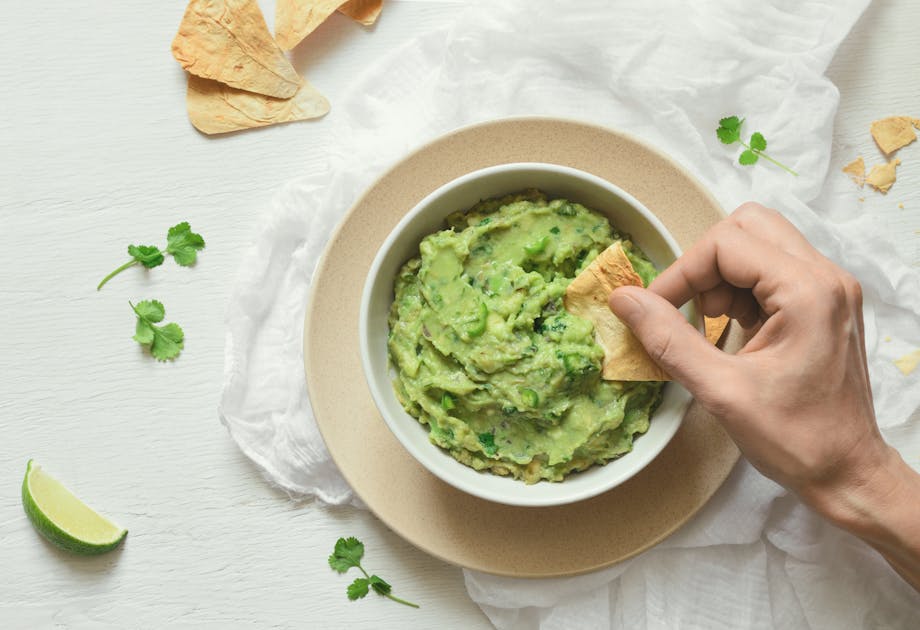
<point x="505" y="379"/>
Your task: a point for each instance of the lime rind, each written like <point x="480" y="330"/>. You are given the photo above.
<point x="57" y="534"/>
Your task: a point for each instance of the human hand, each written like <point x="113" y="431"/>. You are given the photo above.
<point x="796" y="398"/>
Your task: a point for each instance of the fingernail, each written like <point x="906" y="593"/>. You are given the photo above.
<point x="624" y="305"/>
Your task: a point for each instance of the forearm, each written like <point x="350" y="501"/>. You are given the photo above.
<point x="884" y="510"/>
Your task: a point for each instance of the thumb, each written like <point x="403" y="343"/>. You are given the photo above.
<point x="671" y="341"/>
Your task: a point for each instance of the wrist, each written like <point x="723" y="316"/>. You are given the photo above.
<point x="877" y="503"/>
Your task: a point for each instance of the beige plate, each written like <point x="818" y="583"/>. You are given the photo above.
<point x="443" y="521"/>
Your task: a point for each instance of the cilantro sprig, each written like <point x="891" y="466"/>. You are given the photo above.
<point x="164" y="342"/>
<point x="347" y="554"/>
<point x="181" y="243"/>
<point x="729" y="132"/>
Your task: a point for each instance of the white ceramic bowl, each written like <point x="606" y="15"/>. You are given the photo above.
<point x="625" y="213"/>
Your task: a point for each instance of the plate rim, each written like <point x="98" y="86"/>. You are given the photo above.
<point x="325" y="259"/>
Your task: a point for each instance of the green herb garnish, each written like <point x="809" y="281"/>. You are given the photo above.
<point x="729" y="132"/>
<point x="347" y="554"/>
<point x="487" y="440"/>
<point x="164" y="342"/>
<point x="181" y="243"/>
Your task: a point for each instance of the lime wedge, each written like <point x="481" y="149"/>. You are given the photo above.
<point x="63" y="519"/>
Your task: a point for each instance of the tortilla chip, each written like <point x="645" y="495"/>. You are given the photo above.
<point x="362" y="11"/>
<point x="893" y="133"/>
<point x="857" y="171"/>
<point x="295" y="19"/>
<point x="714" y="327"/>
<point x="624" y="357"/>
<point x="228" y="41"/>
<point x="882" y="176"/>
<point x="216" y="108"/>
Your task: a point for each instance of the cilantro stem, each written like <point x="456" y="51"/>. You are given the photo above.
<point x="401" y="601"/>
<point x="393" y="597"/>
<point x="767" y="157"/>
<point x="130" y="263"/>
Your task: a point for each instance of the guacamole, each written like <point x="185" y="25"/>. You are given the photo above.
<point x="489" y="359"/>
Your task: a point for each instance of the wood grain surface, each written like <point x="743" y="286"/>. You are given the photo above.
<point x="97" y="152"/>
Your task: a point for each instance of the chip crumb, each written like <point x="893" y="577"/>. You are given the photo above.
<point x="901" y="205"/>
<point x="909" y="362"/>
<point x="856" y="170"/>
<point x="882" y="176"/>
<point x="894" y="132"/>
<point x="887" y="338"/>
<point x="861" y="199"/>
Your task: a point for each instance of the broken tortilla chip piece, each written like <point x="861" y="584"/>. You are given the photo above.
<point x="362" y="11"/>
<point x="295" y="19"/>
<point x="229" y="41"/>
<point x="714" y="327"/>
<point x="908" y="363"/>
<point x="625" y="359"/>
<point x="892" y="133"/>
<point x="216" y="108"/>
<point x="882" y="176"/>
<point x="857" y="171"/>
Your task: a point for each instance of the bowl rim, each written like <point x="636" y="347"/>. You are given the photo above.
<point x="371" y="377"/>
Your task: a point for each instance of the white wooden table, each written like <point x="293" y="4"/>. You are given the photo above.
<point x="97" y="153"/>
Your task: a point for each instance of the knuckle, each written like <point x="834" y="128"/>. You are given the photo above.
<point x="834" y="294"/>
<point x="837" y="290"/>
<point x="724" y="229"/>
<point x="750" y="211"/>
<point x="853" y="289"/>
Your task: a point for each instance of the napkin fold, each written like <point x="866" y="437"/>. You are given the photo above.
<point x="666" y="71"/>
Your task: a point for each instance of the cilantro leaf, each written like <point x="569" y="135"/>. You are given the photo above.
<point x="150" y="310"/>
<point x="487" y="440"/>
<point x="747" y="157"/>
<point x="168" y="342"/>
<point x="346" y="555"/>
<point x="164" y="342"/>
<point x="181" y="243"/>
<point x="143" y="332"/>
<point x="379" y="585"/>
<point x="357" y="589"/>
<point x="729" y="132"/>
<point x="148" y="255"/>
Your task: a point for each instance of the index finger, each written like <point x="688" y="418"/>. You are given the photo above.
<point x="726" y="253"/>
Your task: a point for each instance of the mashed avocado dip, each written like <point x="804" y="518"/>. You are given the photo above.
<point x="505" y="378"/>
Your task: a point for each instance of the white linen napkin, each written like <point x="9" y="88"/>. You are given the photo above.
<point x="666" y="71"/>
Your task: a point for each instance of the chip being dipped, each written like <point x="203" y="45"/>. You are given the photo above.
<point x="625" y="359"/>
